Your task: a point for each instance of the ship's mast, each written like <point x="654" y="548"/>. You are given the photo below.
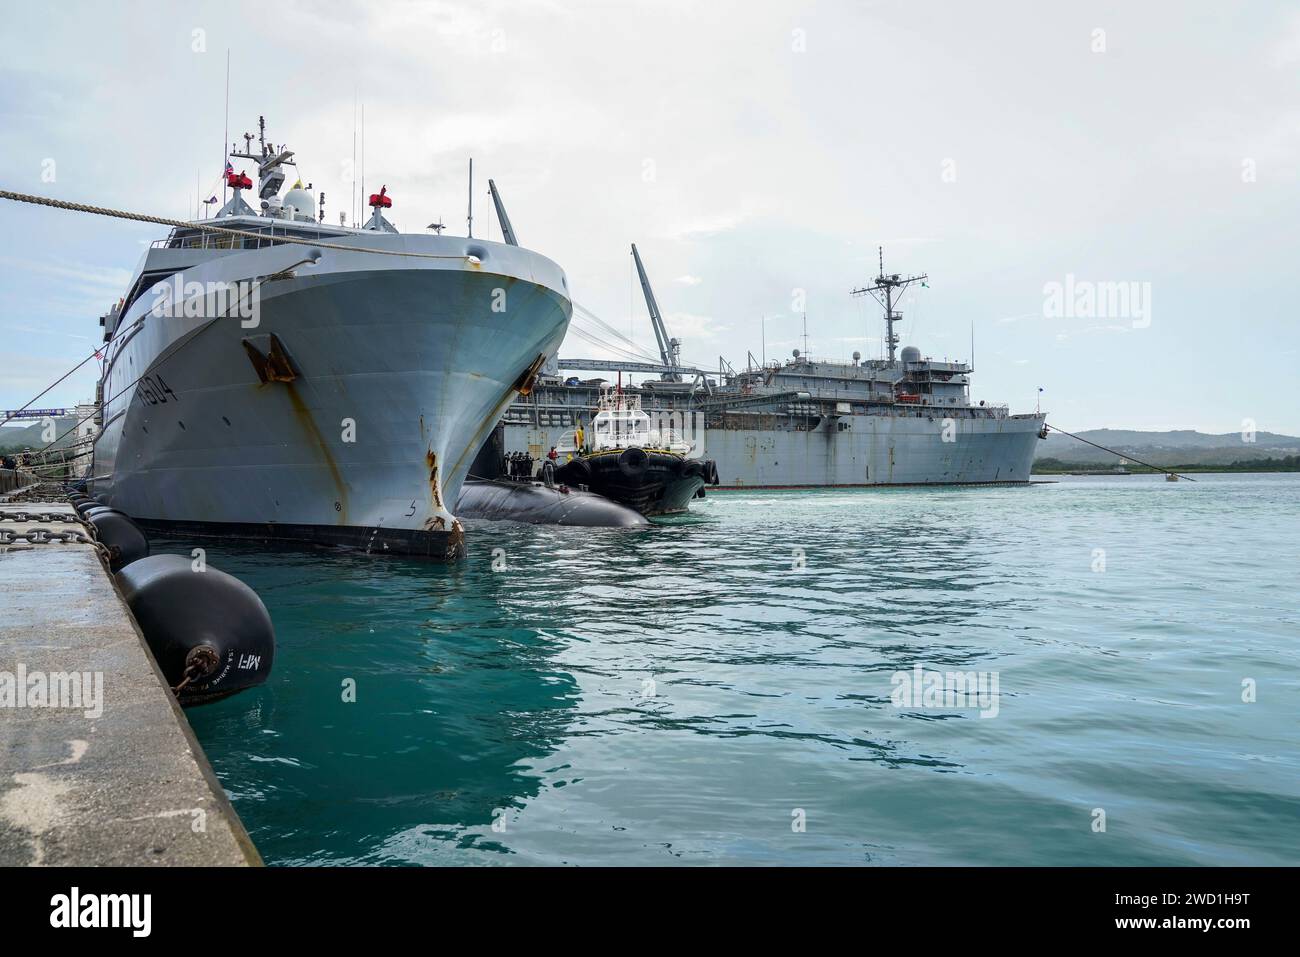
<point x="885" y="291"/>
<point x="269" y="161"/>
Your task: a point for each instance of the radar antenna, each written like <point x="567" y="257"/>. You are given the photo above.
<point x="885" y="291"/>
<point x="269" y="161"/>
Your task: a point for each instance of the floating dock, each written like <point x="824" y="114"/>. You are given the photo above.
<point x="98" y="764"/>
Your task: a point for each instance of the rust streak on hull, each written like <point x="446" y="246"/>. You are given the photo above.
<point x="431" y="460"/>
<point x="303" y="415"/>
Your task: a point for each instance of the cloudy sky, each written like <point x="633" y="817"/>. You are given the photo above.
<point x="757" y="153"/>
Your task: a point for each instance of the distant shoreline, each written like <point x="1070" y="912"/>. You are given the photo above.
<point x="1268" y="466"/>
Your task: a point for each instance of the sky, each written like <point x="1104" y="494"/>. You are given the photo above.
<point x="1104" y="194"/>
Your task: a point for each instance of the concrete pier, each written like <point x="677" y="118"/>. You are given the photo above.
<point x="98" y="765"/>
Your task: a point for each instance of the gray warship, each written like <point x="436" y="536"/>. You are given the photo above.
<point x="902" y="419"/>
<point x="271" y="376"/>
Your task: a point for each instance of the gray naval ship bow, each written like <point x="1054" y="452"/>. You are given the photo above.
<point x="270" y="376"/>
<point x="902" y="419"/>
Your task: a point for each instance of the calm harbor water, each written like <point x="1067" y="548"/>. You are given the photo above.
<point x="694" y="692"/>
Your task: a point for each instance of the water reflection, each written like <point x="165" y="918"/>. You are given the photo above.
<point x="455" y="701"/>
<point x="473" y="684"/>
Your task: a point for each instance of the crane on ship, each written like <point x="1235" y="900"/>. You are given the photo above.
<point x="669" y="349"/>
<point x="669" y="368"/>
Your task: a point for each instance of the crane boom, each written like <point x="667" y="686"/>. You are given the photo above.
<point x="668" y="348"/>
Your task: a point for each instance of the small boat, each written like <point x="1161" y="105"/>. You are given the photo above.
<point x="623" y="457"/>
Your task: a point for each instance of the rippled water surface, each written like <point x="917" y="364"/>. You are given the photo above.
<point x="680" y="694"/>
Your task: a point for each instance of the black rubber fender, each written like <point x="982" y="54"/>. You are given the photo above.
<point x="94" y="508"/>
<point x="205" y="625"/>
<point x="125" y="542"/>
<point x="574" y="472"/>
<point x="632" y="463"/>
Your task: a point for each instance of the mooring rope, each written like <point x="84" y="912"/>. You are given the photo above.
<point x="1123" y="455"/>
<point x="49" y="202"/>
<point x="184" y="343"/>
<point x="205" y="227"/>
<point x="176" y="223"/>
<point x="17" y="412"/>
